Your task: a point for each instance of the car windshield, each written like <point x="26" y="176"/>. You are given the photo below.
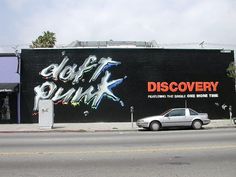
<point x="162" y="114"/>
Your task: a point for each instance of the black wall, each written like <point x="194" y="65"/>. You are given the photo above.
<point x="137" y="67"/>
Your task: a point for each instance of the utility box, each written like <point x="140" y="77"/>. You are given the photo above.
<point x="46" y="114"/>
<point x="234" y="120"/>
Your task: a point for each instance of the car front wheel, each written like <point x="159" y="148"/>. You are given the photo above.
<point x="197" y="124"/>
<point x="155" y="126"/>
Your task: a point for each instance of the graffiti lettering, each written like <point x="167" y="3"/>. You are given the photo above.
<point x="94" y="93"/>
<point x="103" y="90"/>
<point x="47" y="90"/>
<point x="43" y="92"/>
<point x="53" y="70"/>
<point x="69" y="73"/>
<point x="104" y="64"/>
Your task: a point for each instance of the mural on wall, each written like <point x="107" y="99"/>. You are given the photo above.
<point x="91" y="96"/>
<point x="100" y="85"/>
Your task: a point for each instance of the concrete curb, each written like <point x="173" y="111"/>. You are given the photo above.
<point x="93" y="127"/>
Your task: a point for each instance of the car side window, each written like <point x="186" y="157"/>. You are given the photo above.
<point x="179" y="112"/>
<point x="192" y="112"/>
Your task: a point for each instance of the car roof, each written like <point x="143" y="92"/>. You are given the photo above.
<point x="178" y="108"/>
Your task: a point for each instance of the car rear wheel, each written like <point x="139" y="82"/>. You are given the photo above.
<point x="155" y="126"/>
<point x="197" y="124"/>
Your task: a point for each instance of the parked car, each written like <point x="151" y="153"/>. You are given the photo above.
<point x="177" y="117"/>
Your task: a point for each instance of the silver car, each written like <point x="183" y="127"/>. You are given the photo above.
<point x="177" y="117"/>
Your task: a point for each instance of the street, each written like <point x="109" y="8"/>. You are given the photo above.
<point x="172" y="153"/>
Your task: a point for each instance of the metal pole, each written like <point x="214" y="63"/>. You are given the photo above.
<point x="230" y="113"/>
<point x="132" y="119"/>
<point x="19" y="87"/>
<point x="132" y="115"/>
<point x="186" y="104"/>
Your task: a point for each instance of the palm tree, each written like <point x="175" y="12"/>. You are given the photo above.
<point x="47" y="40"/>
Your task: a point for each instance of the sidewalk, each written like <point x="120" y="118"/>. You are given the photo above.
<point x="93" y="127"/>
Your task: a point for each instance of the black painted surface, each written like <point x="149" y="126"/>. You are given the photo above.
<point x="140" y="66"/>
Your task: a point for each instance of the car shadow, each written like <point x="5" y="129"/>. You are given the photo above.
<point x="170" y="129"/>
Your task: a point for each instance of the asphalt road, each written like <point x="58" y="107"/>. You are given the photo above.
<point x="175" y="153"/>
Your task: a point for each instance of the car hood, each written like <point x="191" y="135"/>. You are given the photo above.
<point x="150" y="118"/>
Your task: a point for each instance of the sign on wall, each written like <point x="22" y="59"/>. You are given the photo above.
<point x="92" y="85"/>
<point x="91" y="92"/>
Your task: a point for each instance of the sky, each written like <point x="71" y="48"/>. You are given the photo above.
<point x="171" y="23"/>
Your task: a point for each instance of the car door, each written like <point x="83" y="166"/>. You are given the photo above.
<point x="175" y="117"/>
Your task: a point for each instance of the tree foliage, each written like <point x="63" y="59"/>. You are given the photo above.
<point x="47" y="40"/>
<point x="231" y="70"/>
